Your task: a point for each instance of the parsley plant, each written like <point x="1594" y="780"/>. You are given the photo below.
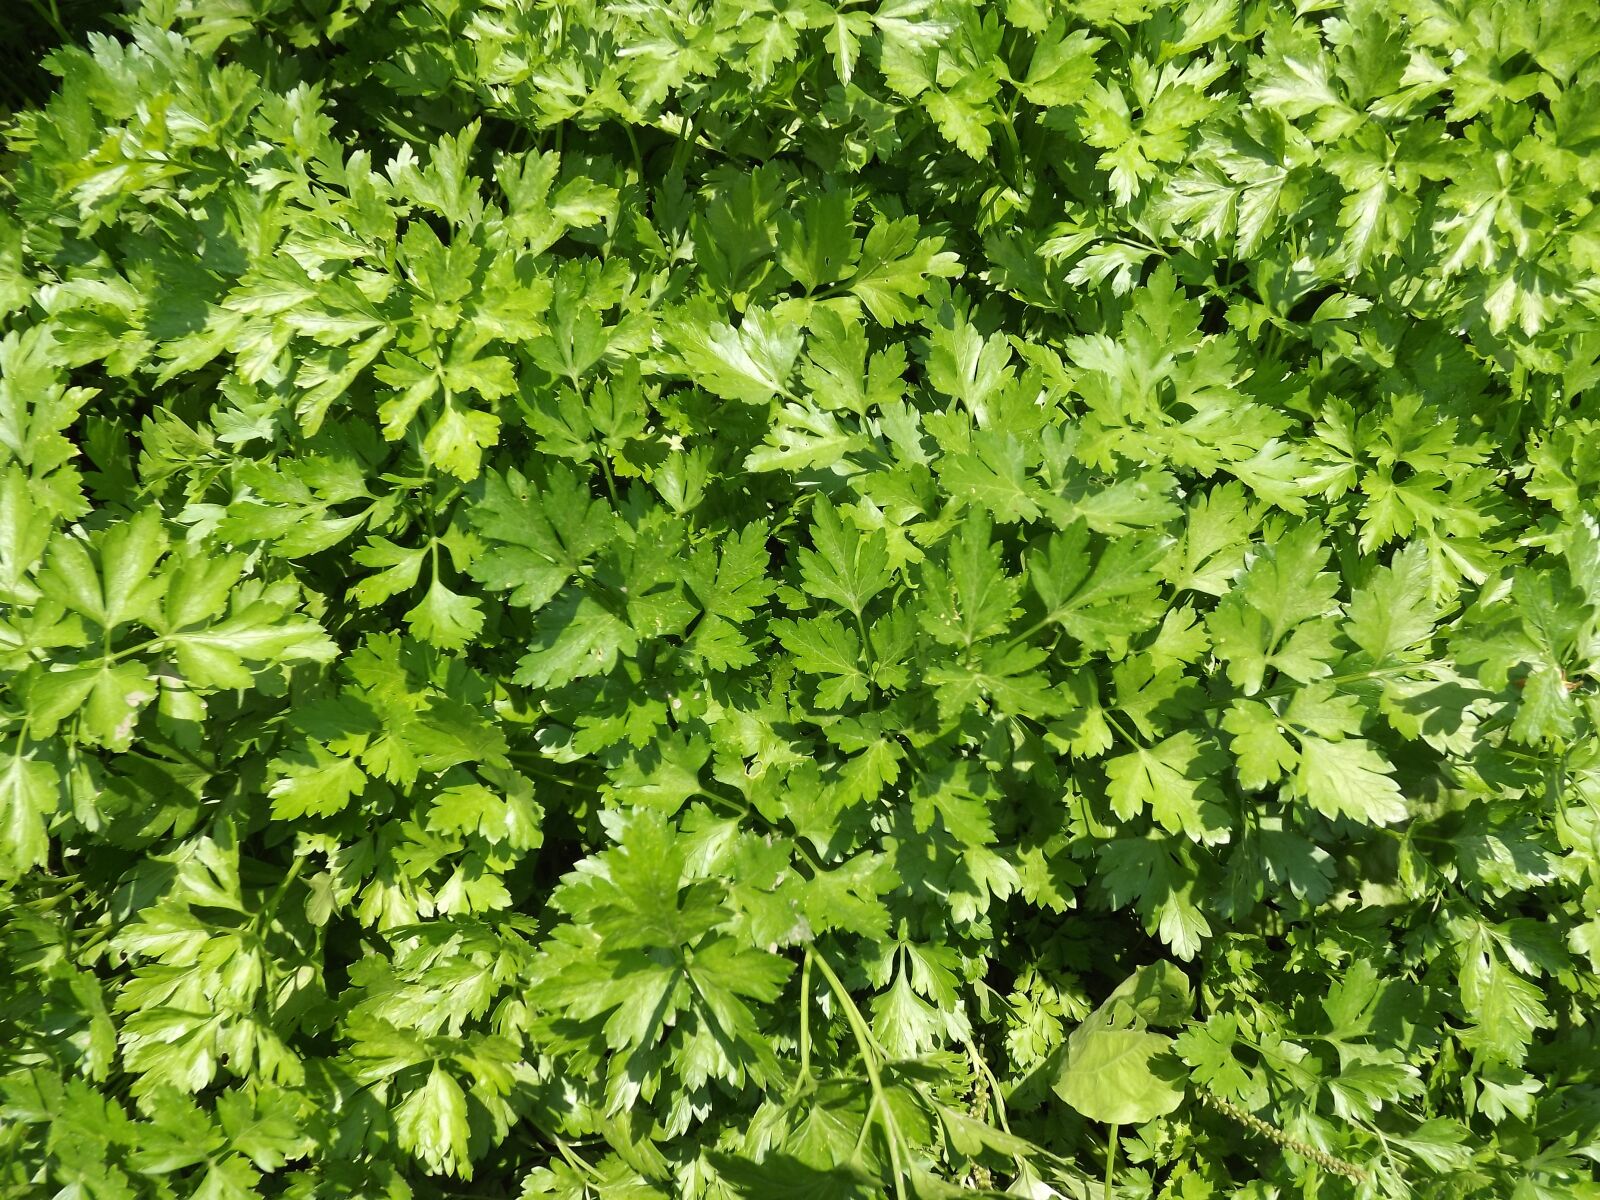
<point x="721" y="599"/>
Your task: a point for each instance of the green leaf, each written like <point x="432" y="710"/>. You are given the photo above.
<point x="844" y="567"/>
<point x="575" y="638"/>
<point x="261" y="634"/>
<point x="752" y="363"/>
<point x="1276" y="617"/>
<point x="1391" y="619"/>
<point x="317" y="784"/>
<point x="541" y="534"/>
<point x="1099" y="598"/>
<point x="445" y="618"/>
<point x="1062" y="67"/>
<point x="1506" y="1009"/>
<point x="1349" y="778"/>
<point x="804" y="437"/>
<point x="123" y="587"/>
<point x="817" y="246"/>
<point x="1259" y="744"/>
<point x="822" y="646"/>
<point x="28" y="791"/>
<point x="994" y="477"/>
<point x="458" y="438"/>
<point x="897" y="266"/>
<point x="1119" y="1076"/>
<point x="971" y="598"/>
<point x="1159" y="994"/>
<point x="626" y="600"/>
<point x="1172" y="781"/>
<point x="432" y="1124"/>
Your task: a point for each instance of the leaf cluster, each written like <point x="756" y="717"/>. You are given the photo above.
<point x="759" y="598"/>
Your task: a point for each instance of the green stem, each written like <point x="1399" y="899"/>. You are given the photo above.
<point x="57" y="897"/>
<point x="1027" y="633"/>
<point x="1111" y="1159"/>
<point x="805" y="1020"/>
<point x="996" y="1092"/>
<point x="52" y="17"/>
<point x="22" y="742"/>
<point x="1013" y="177"/>
<point x="173" y="750"/>
<point x="633" y="143"/>
<point x="611" y="481"/>
<point x="119" y="655"/>
<point x="574" y="1160"/>
<point x="869" y="1051"/>
<point x="1120" y="730"/>
<point x="83" y="946"/>
<point x="270" y="908"/>
<point x="1284" y="689"/>
<point x="540" y="773"/>
<point x="866" y="639"/>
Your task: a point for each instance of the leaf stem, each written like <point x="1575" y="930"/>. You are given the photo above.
<point x="996" y="1093"/>
<point x="1111" y="1159"/>
<point x="1041" y="623"/>
<point x="611" y="480"/>
<point x="1284" y="689"/>
<point x="633" y="144"/>
<point x="270" y="908"/>
<point x="574" y="1160"/>
<point x="805" y="1020"/>
<point x="1121" y="731"/>
<point x="869" y="1051"/>
<point x="51" y="15"/>
<point x="866" y="638"/>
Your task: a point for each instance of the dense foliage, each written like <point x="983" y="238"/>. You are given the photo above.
<point x="802" y="598"/>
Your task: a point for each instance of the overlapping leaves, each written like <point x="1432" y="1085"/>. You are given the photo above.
<point x="640" y="600"/>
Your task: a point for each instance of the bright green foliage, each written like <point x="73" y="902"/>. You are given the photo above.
<point x="1117" y="1069"/>
<point x="814" y="598"/>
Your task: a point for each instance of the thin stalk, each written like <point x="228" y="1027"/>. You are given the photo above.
<point x="1027" y="633"/>
<point x="55" y="898"/>
<point x="996" y="1093"/>
<point x="866" y="638"/>
<point x="633" y="143"/>
<point x="1111" y="1159"/>
<point x="805" y="1020"/>
<point x="573" y="1159"/>
<point x="271" y="906"/>
<point x="1284" y="689"/>
<point x="1119" y="729"/>
<point x="868" y="1047"/>
<point x="539" y="773"/>
<point x="611" y="481"/>
<point x="51" y="16"/>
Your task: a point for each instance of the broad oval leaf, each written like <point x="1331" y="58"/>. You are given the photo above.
<point x="1118" y="1076"/>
